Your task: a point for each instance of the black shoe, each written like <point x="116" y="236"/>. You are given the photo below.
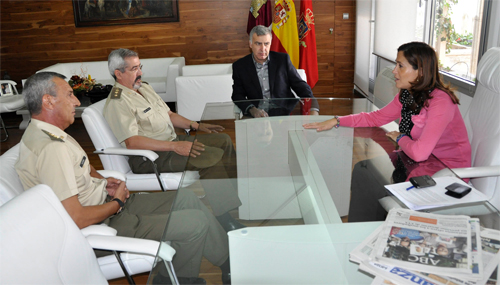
<point x="160" y="279"/>
<point x="229" y="223"/>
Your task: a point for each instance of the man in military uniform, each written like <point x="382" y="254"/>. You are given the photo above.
<point x="140" y="119"/>
<point x="50" y="156"/>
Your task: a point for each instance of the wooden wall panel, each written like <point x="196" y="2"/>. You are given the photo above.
<point x="325" y="46"/>
<point x="344" y="31"/>
<point x="36" y="34"/>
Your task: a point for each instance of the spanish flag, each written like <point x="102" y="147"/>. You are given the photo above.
<point x="307" y="41"/>
<point x="285" y="34"/>
<point x="261" y="13"/>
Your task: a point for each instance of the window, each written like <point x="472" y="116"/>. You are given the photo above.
<point x="459" y="30"/>
<point x="456" y="36"/>
<point x="397" y="22"/>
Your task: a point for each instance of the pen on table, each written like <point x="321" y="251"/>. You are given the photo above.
<point x="410" y="188"/>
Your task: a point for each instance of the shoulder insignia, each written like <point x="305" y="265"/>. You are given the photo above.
<point x="53" y="137"/>
<point x="116" y="93"/>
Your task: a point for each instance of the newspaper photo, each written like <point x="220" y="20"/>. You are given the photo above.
<point x="431" y="243"/>
<point x="490" y="258"/>
<point x="384" y="273"/>
<point x="405" y="276"/>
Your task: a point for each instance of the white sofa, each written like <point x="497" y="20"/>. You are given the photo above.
<point x="160" y="73"/>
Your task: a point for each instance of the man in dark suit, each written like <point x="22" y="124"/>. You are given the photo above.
<point x="265" y="74"/>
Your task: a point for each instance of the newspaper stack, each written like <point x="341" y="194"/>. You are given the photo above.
<point x="422" y="248"/>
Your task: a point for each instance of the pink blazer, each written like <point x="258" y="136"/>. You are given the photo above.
<point x="438" y="129"/>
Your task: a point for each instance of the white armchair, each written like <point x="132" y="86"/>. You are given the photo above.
<point x="194" y="92"/>
<point x="201" y="84"/>
<point x="42" y="244"/>
<point x="136" y="255"/>
<point x="483" y="126"/>
<point x="115" y="157"/>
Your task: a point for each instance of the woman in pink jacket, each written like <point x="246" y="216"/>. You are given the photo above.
<point x="430" y="121"/>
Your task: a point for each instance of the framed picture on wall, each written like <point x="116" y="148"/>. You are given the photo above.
<point x="124" y="12"/>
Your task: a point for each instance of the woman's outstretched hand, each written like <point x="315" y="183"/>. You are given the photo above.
<point x="321" y="126"/>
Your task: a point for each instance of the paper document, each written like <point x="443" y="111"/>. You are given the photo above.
<point x="433" y="197"/>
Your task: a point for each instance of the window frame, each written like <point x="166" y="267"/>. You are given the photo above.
<point x="462" y="85"/>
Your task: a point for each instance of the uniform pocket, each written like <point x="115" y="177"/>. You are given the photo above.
<point x="145" y="119"/>
<point x="80" y="171"/>
<point x="150" y="120"/>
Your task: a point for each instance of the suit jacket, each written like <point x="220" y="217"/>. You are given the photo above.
<point x="283" y="77"/>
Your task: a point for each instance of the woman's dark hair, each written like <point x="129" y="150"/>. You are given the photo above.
<point x="423" y="58"/>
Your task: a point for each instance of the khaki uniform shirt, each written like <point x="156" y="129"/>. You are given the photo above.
<point x="130" y="114"/>
<point x="50" y="156"/>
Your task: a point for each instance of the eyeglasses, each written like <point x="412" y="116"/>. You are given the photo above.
<point x="136" y="68"/>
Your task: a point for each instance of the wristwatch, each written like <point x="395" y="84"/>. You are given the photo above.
<point x="120" y="202"/>
<point x="191" y="126"/>
<point x="399" y="137"/>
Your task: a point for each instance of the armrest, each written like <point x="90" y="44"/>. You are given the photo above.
<point x="149" y="154"/>
<point x="180" y="61"/>
<point x="238" y="114"/>
<point x="118" y="243"/>
<point x="112" y="173"/>
<point x="470" y="172"/>
<point x="101" y="230"/>
<point x="166" y="251"/>
<point x="134" y="245"/>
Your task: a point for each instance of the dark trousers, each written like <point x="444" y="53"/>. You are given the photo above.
<point x="216" y="165"/>
<point x="367" y="187"/>
<point x="192" y="229"/>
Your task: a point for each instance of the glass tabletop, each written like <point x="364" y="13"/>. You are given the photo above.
<point x="295" y="181"/>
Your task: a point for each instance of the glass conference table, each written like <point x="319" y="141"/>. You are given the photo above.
<point x="295" y="191"/>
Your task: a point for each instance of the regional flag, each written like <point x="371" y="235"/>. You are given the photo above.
<point x="285" y="35"/>
<point x="261" y="13"/>
<point x="307" y="43"/>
